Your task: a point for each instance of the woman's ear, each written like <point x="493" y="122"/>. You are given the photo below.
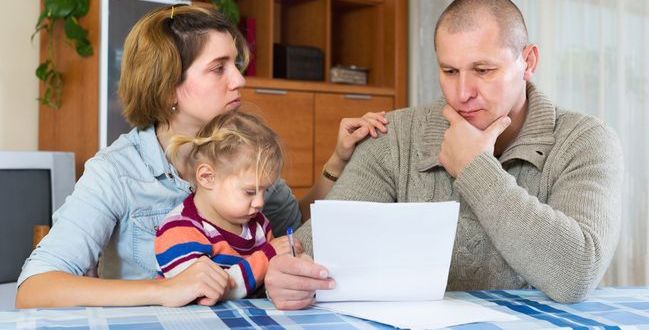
<point x="205" y="176"/>
<point x="531" y="58"/>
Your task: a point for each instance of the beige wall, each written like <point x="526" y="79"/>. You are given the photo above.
<point x="18" y="85"/>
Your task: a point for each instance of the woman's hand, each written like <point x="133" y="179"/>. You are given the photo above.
<point x="352" y="130"/>
<point x="291" y="282"/>
<point x="203" y="280"/>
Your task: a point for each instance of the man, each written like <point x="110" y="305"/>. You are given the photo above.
<point x="539" y="187"/>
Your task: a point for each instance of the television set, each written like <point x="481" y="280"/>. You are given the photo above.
<point x="33" y="184"/>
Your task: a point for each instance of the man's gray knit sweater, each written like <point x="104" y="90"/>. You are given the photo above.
<point x="546" y="214"/>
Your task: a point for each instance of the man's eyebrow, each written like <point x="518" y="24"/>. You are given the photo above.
<point x="488" y="63"/>
<point x="474" y="64"/>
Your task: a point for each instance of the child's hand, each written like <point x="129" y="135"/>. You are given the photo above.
<point x="205" y="301"/>
<point x="281" y="245"/>
<point x="203" y="281"/>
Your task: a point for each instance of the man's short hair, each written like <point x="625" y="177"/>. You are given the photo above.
<point x="465" y="15"/>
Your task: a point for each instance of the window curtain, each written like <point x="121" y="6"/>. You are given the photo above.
<point x="593" y="59"/>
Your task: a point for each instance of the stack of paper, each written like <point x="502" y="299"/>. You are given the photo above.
<point x="391" y="262"/>
<point x="419" y="314"/>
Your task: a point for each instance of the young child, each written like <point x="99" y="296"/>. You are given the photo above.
<point x="234" y="159"/>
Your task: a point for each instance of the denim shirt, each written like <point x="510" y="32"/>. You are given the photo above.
<point x="111" y="218"/>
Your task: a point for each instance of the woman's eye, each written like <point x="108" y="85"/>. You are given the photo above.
<point x="251" y="192"/>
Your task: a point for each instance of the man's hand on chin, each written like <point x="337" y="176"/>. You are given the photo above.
<point x="463" y="142"/>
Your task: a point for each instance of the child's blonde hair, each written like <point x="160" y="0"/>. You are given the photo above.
<point x="232" y="142"/>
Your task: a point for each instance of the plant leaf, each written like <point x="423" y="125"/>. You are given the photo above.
<point x="81" y="8"/>
<point x="59" y="8"/>
<point x="73" y="30"/>
<point x="58" y="90"/>
<point x="53" y="90"/>
<point x="38" y="29"/>
<point x="41" y="18"/>
<point x="40" y="24"/>
<point x="68" y="11"/>
<point x="229" y="9"/>
<point x="46" y="97"/>
<point x="43" y="70"/>
<point x="84" y="48"/>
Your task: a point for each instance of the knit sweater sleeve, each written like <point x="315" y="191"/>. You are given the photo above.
<point x="180" y="242"/>
<point x="248" y="272"/>
<point x="564" y="246"/>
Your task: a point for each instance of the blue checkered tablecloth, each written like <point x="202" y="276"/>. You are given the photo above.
<point x="608" y="308"/>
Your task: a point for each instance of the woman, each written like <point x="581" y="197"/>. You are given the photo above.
<point x="179" y="70"/>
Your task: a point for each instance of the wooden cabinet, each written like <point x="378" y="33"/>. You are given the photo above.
<point x="290" y="114"/>
<point x="308" y="123"/>
<point x="306" y="114"/>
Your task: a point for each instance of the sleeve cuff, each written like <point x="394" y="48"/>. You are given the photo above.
<point x="268" y="250"/>
<point x="30" y="271"/>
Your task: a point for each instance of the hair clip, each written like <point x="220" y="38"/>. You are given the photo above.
<point x="172" y="12"/>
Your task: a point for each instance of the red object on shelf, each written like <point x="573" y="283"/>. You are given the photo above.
<point x="248" y="26"/>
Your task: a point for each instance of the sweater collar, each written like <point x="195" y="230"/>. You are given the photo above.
<point x="532" y="143"/>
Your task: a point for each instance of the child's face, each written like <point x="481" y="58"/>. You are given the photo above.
<point x="236" y="198"/>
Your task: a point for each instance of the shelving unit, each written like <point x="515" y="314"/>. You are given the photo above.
<point x="365" y="33"/>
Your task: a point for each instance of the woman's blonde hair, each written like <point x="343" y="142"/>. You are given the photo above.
<point x="158" y="50"/>
<point x="232" y="142"/>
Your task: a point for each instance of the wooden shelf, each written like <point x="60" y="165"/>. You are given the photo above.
<point x="365" y="33"/>
<point x="361" y="2"/>
<point x="254" y="82"/>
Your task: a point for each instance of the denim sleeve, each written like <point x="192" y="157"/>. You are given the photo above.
<point x="281" y="208"/>
<point x="82" y="226"/>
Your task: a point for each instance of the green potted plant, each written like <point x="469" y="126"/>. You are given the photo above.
<point x="66" y="12"/>
<point x="229" y="9"/>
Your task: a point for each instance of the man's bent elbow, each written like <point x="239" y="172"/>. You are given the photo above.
<point x="570" y="296"/>
<point x="575" y="288"/>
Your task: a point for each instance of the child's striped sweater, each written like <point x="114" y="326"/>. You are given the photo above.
<point x="185" y="236"/>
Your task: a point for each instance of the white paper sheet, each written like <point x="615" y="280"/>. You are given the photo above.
<point x="384" y="251"/>
<point x="419" y="314"/>
<point x="391" y="262"/>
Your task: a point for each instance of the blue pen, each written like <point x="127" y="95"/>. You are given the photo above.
<point x="289" y="233"/>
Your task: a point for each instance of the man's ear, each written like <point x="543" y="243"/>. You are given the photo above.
<point x="205" y="176"/>
<point x="531" y="59"/>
